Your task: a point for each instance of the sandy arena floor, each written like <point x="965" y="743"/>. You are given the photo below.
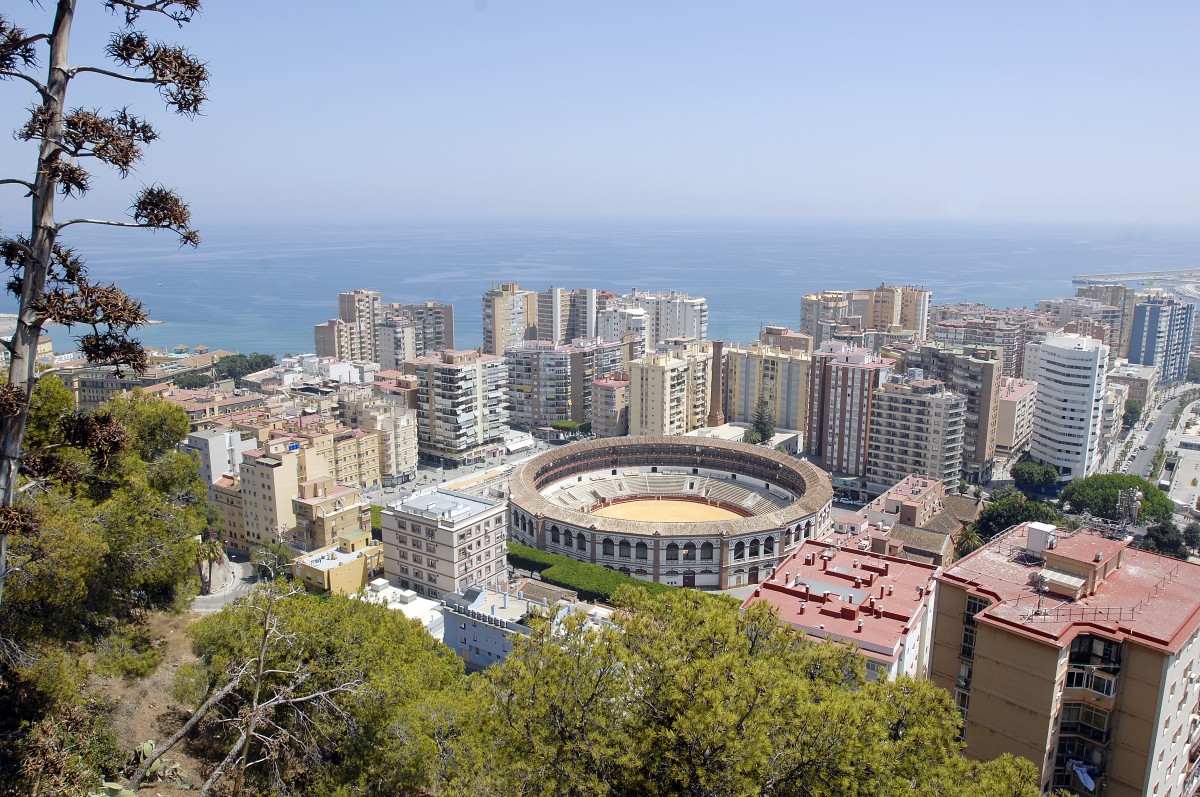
<point x="665" y="511"/>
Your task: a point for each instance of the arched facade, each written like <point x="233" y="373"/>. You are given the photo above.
<point x="783" y="502"/>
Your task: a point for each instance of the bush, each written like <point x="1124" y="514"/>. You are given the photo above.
<point x="592" y="582"/>
<point x="129" y="655"/>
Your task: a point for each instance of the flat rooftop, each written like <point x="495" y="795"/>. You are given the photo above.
<point x="436" y="503"/>
<point x="826" y="591"/>
<point x="1147" y="598"/>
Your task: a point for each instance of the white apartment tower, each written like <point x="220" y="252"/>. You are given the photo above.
<point x="670" y="315"/>
<point x="1070" y="375"/>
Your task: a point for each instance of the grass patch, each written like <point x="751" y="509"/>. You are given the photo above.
<point x="592" y="582"/>
<point x="376" y="518"/>
<point x="129" y="654"/>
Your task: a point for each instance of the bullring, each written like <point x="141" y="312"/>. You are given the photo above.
<point x="764" y="503"/>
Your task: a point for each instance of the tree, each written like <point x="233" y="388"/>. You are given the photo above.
<point x="1033" y="475"/>
<point x="49" y="279"/>
<point x="1191" y="535"/>
<point x="1009" y="507"/>
<point x="1164" y="538"/>
<point x="235" y="366"/>
<point x="192" y="381"/>
<point x="1133" y="413"/>
<point x="303" y="690"/>
<point x="685" y="695"/>
<point x="211" y="552"/>
<point x="1098" y="494"/>
<point x="764" y="421"/>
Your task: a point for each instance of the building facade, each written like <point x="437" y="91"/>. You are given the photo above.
<point x="1014" y="416"/>
<point x="461" y="404"/>
<point x="1162" y="336"/>
<point x="1077" y="652"/>
<point x="509" y="317"/>
<point x="670" y="391"/>
<point x="550" y="382"/>
<point x="842" y="385"/>
<point x="1068" y="409"/>
<point x="779" y="376"/>
<point x="437" y="542"/>
<point x="916" y="427"/>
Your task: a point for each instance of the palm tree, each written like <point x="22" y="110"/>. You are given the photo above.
<point x="968" y="540"/>
<point x="210" y="551"/>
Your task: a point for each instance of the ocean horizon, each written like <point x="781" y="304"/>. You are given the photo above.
<point x="263" y="288"/>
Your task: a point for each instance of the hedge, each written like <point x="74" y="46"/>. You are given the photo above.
<point x="592" y="582"/>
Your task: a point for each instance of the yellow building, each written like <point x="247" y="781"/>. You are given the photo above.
<point x="226" y="496"/>
<point x="324" y="509"/>
<point x="270" y="478"/>
<point x="763" y="371"/>
<point x="343" y="568"/>
<point x="669" y="391"/>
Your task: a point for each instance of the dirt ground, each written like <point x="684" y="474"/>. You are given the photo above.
<point x="146" y="710"/>
<point x="650" y="509"/>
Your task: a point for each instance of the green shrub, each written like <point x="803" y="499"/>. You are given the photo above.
<point x="376" y="518"/>
<point x="130" y="654"/>
<point x="592" y="582"/>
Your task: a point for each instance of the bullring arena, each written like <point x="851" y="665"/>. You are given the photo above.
<point x="688" y="511"/>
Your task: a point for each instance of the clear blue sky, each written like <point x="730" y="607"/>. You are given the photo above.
<point x="459" y="109"/>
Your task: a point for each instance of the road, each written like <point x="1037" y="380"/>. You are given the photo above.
<point x="231" y="580"/>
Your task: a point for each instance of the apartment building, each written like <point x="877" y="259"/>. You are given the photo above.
<point x="1162" y="335"/>
<point x="93" y="385"/>
<point x="1121" y="297"/>
<point x="351" y="335"/>
<point x="1070" y="374"/>
<point x="762" y="371"/>
<point x="1077" y="309"/>
<point x="550" y="382"/>
<point x="897" y="309"/>
<point x="610" y="405"/>
<point x="1142" y="380"/>
<point x="670" y="315"/>
<point x="510" y="316"/>
<point x="219" y="451"/>
<point x="563" y="315"/>
<point x="845" y="594"/>
<point x="916" y="427"/>
<point x="225" y="494"/>
<point x="1014" y="416"/>
<point x="324" y="509"/>
<point x="842" y="385"/>
<point x="432" y="323"/>
<point x="670" y="391"/>
<point x="269" y="479"/>
<point x="395" y="342"/>
<point x="437" y="542"/>
<point x="343" y="567"/>
<point x="974" y="373"/>
<point x="1078" y="652"/>
<point x="395" y="426"/>
<point x="627" y="324"/>
<point x="461" y="404"/>
<point x="787" y="339"/>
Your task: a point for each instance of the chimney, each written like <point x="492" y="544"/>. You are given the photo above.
<point x="871" y="604"/>
<point x="880" y="592"/>
<point x="787" y="576"/>
<point x="856" y="563"/>
<point x="824" y="563"/>
<point x="802" y="605"/>
<point x="860" y="625"/>
<point x="857" y="583"/>
<point x="889" y="589"/>
<point x="1099" y="555"/>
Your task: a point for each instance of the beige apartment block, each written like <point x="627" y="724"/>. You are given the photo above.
<point x="916" y="427"/>
<point x="344" y="567"/>
<point x="762" y="371"/>
<point x="395" y="425"/>
<point x="610" y="406"/>
<point x="325" y="508"/>
<point x="270" y="478"/>
<point x="1142" y="380"/>
<point x="781" y="337"/>
<point x="1014" y="416"/>
<point x="510" y="316"/>
<point x="351" y="336"/>
<point x="1079" y="653"/>
<point x="437" y="542"/>
<point x="669" y="391"/>
<point x="1121" y="297"/>
<point x="432" y="322"/>
<point x="226" y="497"/>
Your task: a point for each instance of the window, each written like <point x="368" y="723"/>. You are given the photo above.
<point x="672" y="553"/>
<point x="739" y="551"/>
<point x="967" y="651"/>
<point x="640" y="551"/>
<point x="607" y="547"/>
<point x="706" y="552"/>
<point x="623" y="549"/>
<point x="753" y="548"/>
<point x="554" y="538"/>
<point x="582" y="543"/>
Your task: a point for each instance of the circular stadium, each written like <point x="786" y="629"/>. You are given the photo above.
<point x="688" y="511"/>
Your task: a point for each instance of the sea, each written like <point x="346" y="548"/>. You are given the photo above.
<point x="263" y="287"/>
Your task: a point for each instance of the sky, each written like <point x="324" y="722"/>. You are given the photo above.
<point x="458" y="110"/>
